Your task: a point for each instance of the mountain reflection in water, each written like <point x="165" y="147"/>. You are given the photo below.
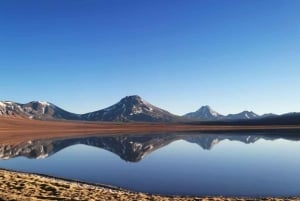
<point x="132" y="148"/>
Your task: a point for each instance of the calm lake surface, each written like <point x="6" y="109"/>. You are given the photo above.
<point x="229" y="164"/>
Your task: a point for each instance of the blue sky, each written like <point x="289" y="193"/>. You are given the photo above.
<point x="179" y="55"/>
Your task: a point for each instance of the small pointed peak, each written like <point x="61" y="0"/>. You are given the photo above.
<point x="206" y="106"/>
<point x="247" y="112"/>
<point x="131" y="98"/>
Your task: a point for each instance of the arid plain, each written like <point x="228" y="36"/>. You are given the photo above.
<point x="15" y="130"/>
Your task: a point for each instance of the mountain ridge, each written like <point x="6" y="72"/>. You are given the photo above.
<point x="41" y="110"/>
<point x="206" y="113"/>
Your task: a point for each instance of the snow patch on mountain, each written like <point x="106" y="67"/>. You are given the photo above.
<point x="2" y="104"/>
<point x="44" y="103"/>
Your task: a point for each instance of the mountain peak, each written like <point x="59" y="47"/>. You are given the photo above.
<point x="242" y="115"/>
<point x="204" y="113"/>
<point x="247" y="111"/>
<point x="205" y="107"/>
<point x="42" y="103"/>
<point x="132" y="99"/>
<point x="206" y="110"/>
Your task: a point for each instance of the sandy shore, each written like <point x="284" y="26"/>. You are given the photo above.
<point x="31" y="187"/>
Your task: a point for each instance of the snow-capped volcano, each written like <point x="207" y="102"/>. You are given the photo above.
<point x="204" y="113"/>
<point x="131" y="108"/>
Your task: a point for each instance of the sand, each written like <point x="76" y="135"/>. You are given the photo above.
<point x="31" y="187"/>
<point x="17" y="130"/>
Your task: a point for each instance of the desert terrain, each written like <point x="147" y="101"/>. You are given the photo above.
<point x="16" y="130"/>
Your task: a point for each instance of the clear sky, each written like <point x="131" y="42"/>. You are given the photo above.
<point x="85" y="55"/>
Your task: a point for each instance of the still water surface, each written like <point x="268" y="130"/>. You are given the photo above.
<point x="229" y="164"/>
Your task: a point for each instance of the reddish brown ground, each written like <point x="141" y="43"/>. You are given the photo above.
<point x="15" y="130"/>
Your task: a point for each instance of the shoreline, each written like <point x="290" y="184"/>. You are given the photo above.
<point x="15" y="185"/>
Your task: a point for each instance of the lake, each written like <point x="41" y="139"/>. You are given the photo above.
<point x="228" y="164"/>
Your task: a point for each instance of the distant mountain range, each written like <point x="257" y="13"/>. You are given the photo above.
<point x="132" y="109"/>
